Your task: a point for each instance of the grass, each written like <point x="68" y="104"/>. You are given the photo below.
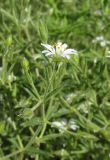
<point x="35" y="92"/>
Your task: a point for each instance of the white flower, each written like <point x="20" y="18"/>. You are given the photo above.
<point x="108" y="54"/>
<point x="99" y="38"/>
<point x="102" y="41"/>
<point x="11" y="77"/>
<point x="84" y="107"/>
<point x="95" y="60"/>
<point x="72" y="124"/>
<point x="109" y="154"/>
<point x="69" y="97"/>
<point x="61" y="125"/>
<point x="58" y="49"/>
<point x="108" y="42"/>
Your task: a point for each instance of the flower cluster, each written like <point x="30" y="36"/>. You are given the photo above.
<point x="102" y="41"/>
<point x="63" y="125"/>
<point x="58" y="49"/>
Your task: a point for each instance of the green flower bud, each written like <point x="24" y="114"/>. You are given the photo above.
<point x="25" y="63"/>
<point x="9" y="41"/>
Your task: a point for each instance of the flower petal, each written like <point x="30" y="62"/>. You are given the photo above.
<point x="47" y="46"/>
<point x="64" y="46"/>
<point x="49" y="54"/>
<point x="66" y="56"/>
<point x="69" y="51"/>
<point x="45" y="51"/>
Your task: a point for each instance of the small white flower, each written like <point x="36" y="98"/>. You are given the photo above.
<point x="108" y="54"/>
<point x="95" y="60"/>
<point x="69" y="97"/>
<point x="61" y="125"/>
<point x="108" y="42"/>
<point x="99" y="38"/>
<point x="84" y="107"/>
<point x="102" y="41"/>
<point x="58" y="49"/>
<point x="11" y="77"/>
<point x="72" y="124"/>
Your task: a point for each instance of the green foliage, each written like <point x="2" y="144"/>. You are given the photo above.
<point x="36" y="91"/>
